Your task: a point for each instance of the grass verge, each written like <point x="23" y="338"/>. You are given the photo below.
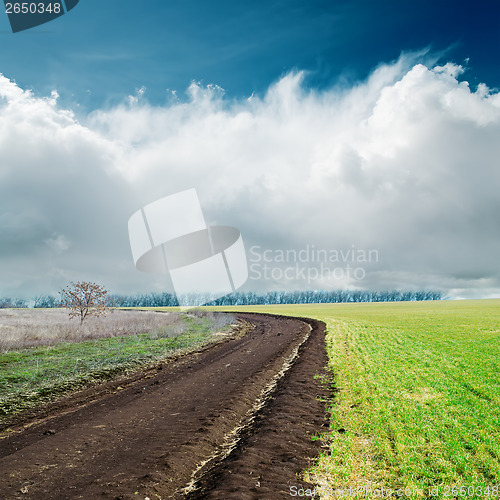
<point x="31" y="376"/>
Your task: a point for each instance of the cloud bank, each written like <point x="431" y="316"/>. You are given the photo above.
<point x="404" y="163"/>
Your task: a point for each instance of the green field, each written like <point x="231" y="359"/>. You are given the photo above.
<point x="418" y="397"/>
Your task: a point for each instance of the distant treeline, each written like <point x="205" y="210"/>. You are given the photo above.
<point x="6" y="302"/>
<point x="243" y="298"/>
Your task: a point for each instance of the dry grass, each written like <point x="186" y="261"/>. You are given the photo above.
<point x="216" y="320"/>
<point x="22" y="328"/>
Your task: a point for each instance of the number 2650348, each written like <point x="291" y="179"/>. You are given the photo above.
<point x="33" y="8"/>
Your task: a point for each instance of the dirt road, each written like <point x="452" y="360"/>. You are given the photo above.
<point x="232" y="421"/>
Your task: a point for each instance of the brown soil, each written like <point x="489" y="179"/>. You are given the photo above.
<point x="232" y="421"/>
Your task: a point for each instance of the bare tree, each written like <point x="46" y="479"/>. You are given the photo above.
<point x="84" y="299"/>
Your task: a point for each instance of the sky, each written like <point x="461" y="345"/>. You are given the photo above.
<point x="367" y="131"/>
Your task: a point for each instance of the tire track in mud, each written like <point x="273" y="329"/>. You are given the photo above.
<point x="271" y="455"/>
<point x="233" y="421"/>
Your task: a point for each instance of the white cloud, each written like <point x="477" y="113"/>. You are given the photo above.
<point x="56" y="178"/>
<point x="405" y="162"/>
<point x="58" y="243"/>
<point x="134" y="99"/>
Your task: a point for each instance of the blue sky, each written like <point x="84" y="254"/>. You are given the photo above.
<point x="105" y="49"/>
<point x="342" y="125"/>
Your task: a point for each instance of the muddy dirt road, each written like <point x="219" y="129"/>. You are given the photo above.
<point x="232" y="421"/>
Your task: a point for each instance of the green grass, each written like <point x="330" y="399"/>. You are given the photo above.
<point x="418" y="396"/>
<point x="33" y="375"/>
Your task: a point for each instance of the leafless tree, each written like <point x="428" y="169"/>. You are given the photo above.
<point x="84" y="299"/>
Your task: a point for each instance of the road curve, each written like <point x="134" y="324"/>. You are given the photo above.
<point x="231" y="421"/>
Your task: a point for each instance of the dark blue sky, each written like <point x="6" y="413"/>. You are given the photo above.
<point x="103" y="50"/>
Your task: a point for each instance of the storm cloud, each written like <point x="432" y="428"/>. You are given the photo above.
<point x="404" y="163"/>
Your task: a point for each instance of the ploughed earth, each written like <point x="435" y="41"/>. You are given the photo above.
<point x="234" y="420"/>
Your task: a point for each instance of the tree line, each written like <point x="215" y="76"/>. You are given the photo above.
<point x="239" y="298"/>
